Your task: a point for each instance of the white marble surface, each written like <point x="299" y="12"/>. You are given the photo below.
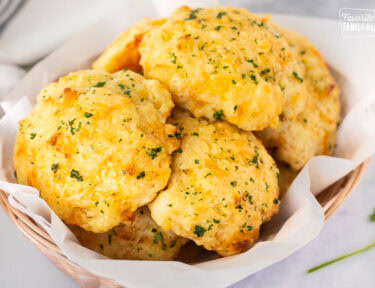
<point x="22" y="265"/>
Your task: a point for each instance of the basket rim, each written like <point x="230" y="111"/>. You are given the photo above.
<point x="40" y="238"/>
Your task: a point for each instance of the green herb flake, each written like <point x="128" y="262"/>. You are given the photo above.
<point x="295" y="74"/>
<point x="75" y="174"/>
<point x="219" y="115"/>
<point x="88" y="115"/>
<point x="173" y="57"/>
<point x="193" y="14"/>
<point x="173" y="243"/>
<point x="218" y="27"/>
<point x="233" y="183"/>
<point x="153" y="152"/>
<point x="32" y="135"/>
<point x="254" y="78"/>
<point x="255" y="159"/>
<point x="265" y="71"/>
<point x="141" y="175"/>
<point x="54" y="167"/>
<point x="100" y="84"/>
<point x="220" y="15"/>
<point x="239" y="207"/>
<point x="158" y="237"/>
<point x="199" y="231"/>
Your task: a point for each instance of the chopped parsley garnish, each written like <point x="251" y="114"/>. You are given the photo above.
<point x="75" y="174"/>
<point x="127" y="92"/>
<point x="173" y="243"/>
<point x="32" y="135"/>
<point x="219" y="115"/>
<point x="179" y="150"/>
<point x="193" y="14"/>
<point x="54" y="167"/>
<point x="233" y="183"/>
<point x="196" y="161"/>
<point x="122" y="86"/>
<point x="153" y="152"/>
<point x="158" y="237"/>
<point x="218" y="27"/>
<point x="199" y="231"/>
<point x="295" y="74"/>
<point x="178" y="135"/>
<point x="195" y="134"/>
<point x="220" y="15"/>
<point x="255" y="159"/>
<point x="265" y="71"/>
<point x="239" y="207"/>
<point x="141" y="175"/>
<point x="252" y="62"/>
<point x="254" y="78"/>
<point x="72" y="129"/>
<point x="88" y="115"/>
<point x="174" y="57"/>
<point x="100" y="84"/>
<point x="235" y="108"/>
<point x="276" y="201"/>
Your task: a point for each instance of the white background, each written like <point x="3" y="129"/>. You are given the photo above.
<point x="347" y="230"/>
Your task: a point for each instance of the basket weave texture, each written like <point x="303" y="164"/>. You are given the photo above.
<point x="330" y="199"/>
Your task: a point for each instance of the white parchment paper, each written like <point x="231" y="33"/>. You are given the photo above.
<point x="300" y="218"/>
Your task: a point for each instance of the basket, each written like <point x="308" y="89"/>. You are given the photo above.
<point x="330" y="199"/>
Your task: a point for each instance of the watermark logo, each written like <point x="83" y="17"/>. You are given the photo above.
<point x="357" y="23"/>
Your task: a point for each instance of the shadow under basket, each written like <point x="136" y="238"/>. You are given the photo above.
<point x="330" y="199"/>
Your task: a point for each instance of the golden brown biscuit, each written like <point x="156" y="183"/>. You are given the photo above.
<point x="224" y="63"/>
<point x="124" y="52"/>
<point x="138" y="239"/>
<point x="313" y="131"/>
<point x="96" y="146"/>
<point x="223" y="186"/>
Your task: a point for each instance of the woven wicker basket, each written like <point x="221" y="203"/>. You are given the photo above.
<point x="330" y="199"/>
